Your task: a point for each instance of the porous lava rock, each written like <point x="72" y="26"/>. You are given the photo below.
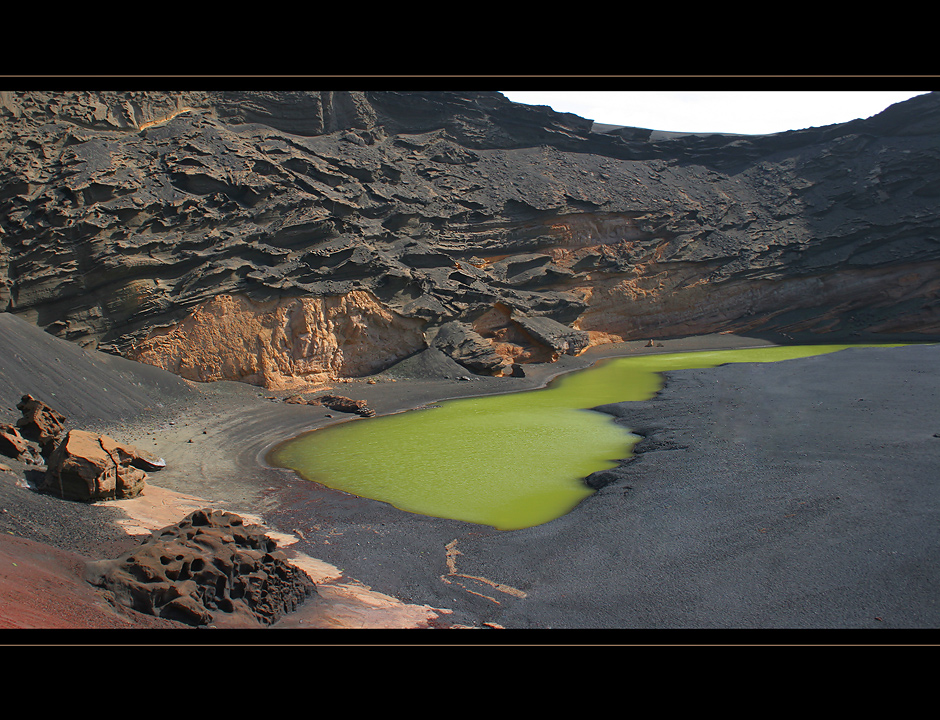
<point x="340" y="403"/>
<point x="86" y="467"/>
<point x="35" y="434"/>
<point x="40" y="423"/>
<point x="210" y="567"/>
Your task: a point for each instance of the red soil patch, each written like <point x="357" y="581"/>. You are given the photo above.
<point x="42" y="587"/>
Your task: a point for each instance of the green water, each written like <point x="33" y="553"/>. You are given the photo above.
<point x="509" y="461"/>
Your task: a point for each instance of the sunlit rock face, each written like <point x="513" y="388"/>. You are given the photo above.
<point x="282" y="343"/>
<point x="280" y="237"/>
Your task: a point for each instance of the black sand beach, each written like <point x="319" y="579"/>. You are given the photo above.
<point x="798" y="495"/>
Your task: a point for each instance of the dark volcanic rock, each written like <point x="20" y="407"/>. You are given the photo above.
<point x="560" y="338"/>
<point x="124" y="215"/>
<point x="209" y="567"/>
<point x="343" y="404"/>
<point x="429" y="363"/>
<point x="463" y="344"/>
<point x="339" y="403"/>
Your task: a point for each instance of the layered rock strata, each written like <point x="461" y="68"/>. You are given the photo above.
<point x="281" y="238"/>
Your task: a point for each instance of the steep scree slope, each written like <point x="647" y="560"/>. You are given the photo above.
<point x="283" y="237"/>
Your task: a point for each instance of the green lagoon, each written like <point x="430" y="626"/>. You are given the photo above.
<point x="508" y="461"/>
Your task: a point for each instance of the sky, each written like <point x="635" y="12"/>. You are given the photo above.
<point x="719" y="111"/>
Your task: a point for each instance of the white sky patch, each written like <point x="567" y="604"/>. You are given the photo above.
<point x="719" y="111"/>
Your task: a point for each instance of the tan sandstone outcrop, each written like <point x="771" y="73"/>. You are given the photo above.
<point x="284" y="343"/>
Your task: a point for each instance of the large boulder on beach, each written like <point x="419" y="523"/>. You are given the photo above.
<point x="210" y="567"/>
<point x="86" y="466"/>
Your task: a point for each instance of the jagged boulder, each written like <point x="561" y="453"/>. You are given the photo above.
<point x="466" y="346"/>
<point x="561" y="339"/>
<point x="14" y="445"/>
<point x="87" y="467"/>
<point x="210" y="566"/>
<point x="339" y="403"/>
<point x="40" y="423"/>
<point x="344" y="404"/>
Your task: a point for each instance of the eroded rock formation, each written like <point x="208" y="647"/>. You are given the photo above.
<point x="40" y="423"/>
<point x="206" y="568"/>
<point x="281" y="237"/>
<point x="78" y="465"/>
<point x="14" y="445"/>
<point x="35" y="434"/>
<point x="282" y="343"/>
<point x="87" y="466"/>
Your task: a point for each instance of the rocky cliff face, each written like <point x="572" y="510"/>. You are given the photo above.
<point x="280" y="237"/>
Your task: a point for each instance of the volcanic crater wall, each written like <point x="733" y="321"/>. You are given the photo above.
<point x="284" y="237"/>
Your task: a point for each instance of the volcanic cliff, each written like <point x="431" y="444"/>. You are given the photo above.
<point x="279" y="237"/>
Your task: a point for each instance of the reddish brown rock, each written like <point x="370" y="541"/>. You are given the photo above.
<point x="343" y="404"/>
<point x="208" y="568"/>
<point x="40" y="423"/>
<point x="283" y="344"/>
<point x="88" y="467"/>
<point x="13" y="444"/>
<point x="131" y="455"/>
